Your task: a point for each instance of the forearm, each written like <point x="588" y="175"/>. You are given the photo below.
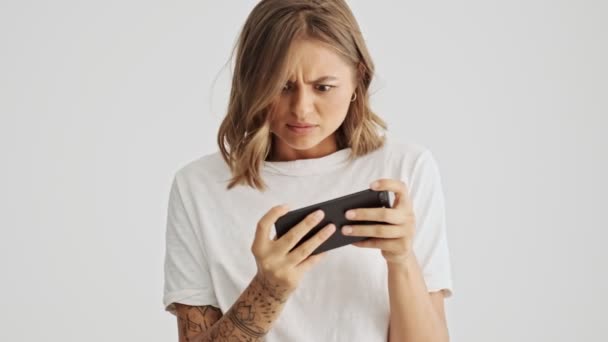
<point x="412" y="315"/>
<point x="250" y="317"/>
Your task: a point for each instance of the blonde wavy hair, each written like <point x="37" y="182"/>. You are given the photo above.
<point x="261" y="70"/>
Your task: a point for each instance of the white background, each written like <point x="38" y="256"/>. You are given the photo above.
<point x="101" y="102"/>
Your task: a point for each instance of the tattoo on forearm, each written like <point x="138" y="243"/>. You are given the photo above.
<point x="249" y="319"/>
<point x="198" y="319"/>
<point x="243" y="317"/>
<point x="276" y="292"/>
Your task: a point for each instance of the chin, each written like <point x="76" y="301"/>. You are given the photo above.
<point x="300" y="142"/>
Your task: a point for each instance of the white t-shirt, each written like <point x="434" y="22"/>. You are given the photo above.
<point x="210" y="231"/>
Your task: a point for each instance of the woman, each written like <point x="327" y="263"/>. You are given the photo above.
<point x="298" y="131"/>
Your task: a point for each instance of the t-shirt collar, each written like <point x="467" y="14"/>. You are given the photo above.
<point x="311" y="166"/>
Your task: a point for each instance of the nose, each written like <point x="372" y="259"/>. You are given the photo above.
<point x="302" y="103"/>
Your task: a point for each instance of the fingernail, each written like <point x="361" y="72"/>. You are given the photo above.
<point x="347" y="229"/>
<point x="374" y="185"/>
<point x="318" y="213"/>
<point x="350" y="214"/>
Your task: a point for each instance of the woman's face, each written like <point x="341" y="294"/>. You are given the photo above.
<point x="313" y="103"/>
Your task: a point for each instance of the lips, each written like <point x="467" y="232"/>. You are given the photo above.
<point x="302" y="129"/>
<point x="299" y="125"/>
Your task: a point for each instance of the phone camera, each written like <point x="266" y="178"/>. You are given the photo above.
<point x="383" y="196"/>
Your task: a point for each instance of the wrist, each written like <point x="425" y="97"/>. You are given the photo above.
<point x="273" y="291"/>
<point x="404" y="261"/>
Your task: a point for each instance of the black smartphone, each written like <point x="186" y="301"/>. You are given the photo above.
<point x="335" y="210"/>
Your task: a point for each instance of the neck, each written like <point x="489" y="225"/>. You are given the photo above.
<point x="283" y="152"/>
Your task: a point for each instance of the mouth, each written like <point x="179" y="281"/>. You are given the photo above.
<point x="301" y="128"/>
<point x="302" y="125"/>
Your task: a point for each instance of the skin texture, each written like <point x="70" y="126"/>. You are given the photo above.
<point x="322" y="103"/>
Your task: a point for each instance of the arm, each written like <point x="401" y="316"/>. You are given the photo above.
<point x="249" y="319"/>
<point x="194" y="320"/>
<point x="415" y="315"/>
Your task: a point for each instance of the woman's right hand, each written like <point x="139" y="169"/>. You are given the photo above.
<point x="280" y="270"/>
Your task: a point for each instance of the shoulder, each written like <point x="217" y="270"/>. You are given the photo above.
<point x="407" y="151"/>
<point x="402" y="155"/>
<point x="205" y="169"/>
<point x="412" y="162"/>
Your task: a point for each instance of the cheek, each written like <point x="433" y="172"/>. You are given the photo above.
<point x="336" y="107"/>
<point x="277" y="114"/>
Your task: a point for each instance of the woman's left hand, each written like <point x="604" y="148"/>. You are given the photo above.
<point x="395" y="237"/>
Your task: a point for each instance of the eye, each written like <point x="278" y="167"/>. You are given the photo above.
<point x="325" y="88"/>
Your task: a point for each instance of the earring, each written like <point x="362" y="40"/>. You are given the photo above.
<point x="354" y="97"/>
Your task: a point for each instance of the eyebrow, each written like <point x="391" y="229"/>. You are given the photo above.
<point x="323" y="79"/>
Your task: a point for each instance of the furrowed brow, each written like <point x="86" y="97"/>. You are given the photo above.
<point x="324" y="79"/>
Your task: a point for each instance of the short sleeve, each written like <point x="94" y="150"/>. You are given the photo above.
<point x="430" y="241"/>
<point x="186" y="273"/>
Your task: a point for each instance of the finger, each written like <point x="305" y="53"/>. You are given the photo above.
<point x="297" y="232"/>
<point x="311" y="261"/>
<point x="305" y="249"/>
<point x="396" y="186"/>
<point x="375" y="230"/>
<point x="388" y="215"/>
<point x="383" y="244"/>
<point x="265" y="223"/>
